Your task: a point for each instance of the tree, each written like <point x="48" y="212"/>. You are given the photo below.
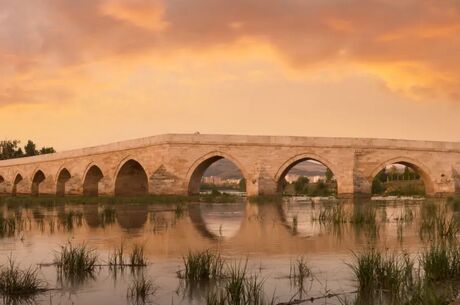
<point x="382" y="176"/>
<point x="329" y="175"/>
<point x="301" y="185"/>
<point x="30" y="149"/>
<point x="47" y="150"/>
<point x="10" y="149"/>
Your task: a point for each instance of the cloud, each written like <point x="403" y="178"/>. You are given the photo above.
<point x="412" y="45"/>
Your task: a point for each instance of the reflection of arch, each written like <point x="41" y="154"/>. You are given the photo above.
<point x="16" y="181"/>
<point x="217" y="220"/>
<point x="289" y="164"/>
<point x="131" y="216"/>
<point x="37" y="179"/>
<point x="91" y="181"/>
<point x="196" y="171"/>
<point x="91" y="215"/>
<point x="63" y="177"/>
<point x="131" y="179"/>
<point x="415" y="165"/>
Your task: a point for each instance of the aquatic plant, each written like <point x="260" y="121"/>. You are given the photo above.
<point x="441" y="262"/>
<point x="19" y="282"/>
<point x="108" y="215"/>
<point x="239" y="289"/>
<point x="383" y="271"/>
<point x="76" y="259"/>
<point x="140" y="290"/>
<point x="137" y="257"/>
<point x="334" y="214"/>
<point x="202" y="265"/>
<point x="299" y="270"/>
<point x="117" y="258"/>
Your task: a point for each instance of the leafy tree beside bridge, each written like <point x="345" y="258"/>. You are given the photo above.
<point x="10" y="149"/>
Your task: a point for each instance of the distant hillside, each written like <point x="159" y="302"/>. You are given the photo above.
<point x="226" y="169"/>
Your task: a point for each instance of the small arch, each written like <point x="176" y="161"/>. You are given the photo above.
<point x="91" y="182"/>
<point x="37" y="179"/>
<point x="416" y="166"/>
<point x="63" y="177"/>
<point x="197" y="170"/>
<point x="2" y="184"/>
<point x="329" y="181"/>
<point x="131" y="179"/>
<point x="17" y="180"/>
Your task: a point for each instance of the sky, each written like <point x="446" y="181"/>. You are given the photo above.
<point x="88" y="72"/>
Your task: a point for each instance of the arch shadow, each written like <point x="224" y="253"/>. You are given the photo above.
<point x="131" y="179"/>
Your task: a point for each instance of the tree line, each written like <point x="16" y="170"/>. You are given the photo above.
<point x="10" y="149"/>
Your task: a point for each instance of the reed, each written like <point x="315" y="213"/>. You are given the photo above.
<point x="76" y="260"/>
<point x="137" y="257"/>
<point x="140" y="290"/>
<point x="390" y="272"/>
<point x="203" y="265"/>
<point x="19" y="282"/>
<point x="441" y="262"/>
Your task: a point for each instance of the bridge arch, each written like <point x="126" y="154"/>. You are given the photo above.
<point x="295" y="160"/>
<point x="92" y="178"/>
<point x="18" y="178"/>
<point x="413" y="164"/>
<point x="131" y="178"/>
<point x="196" y="171"/>
<point x="2" y="184"/>
<point x="37" y="178"/>
<point x="63" y="177"/>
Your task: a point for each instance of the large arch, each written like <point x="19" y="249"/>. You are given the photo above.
<point x="62" y="178"/>
<point x="17" y="179"/>
<point x="37" y="179"/>
<point x="196" y="171"/>
<point x="415" y="165"/>
<point x="131" y="179"/>
<point x="91" y="181"/>
<point x="293" y="161"/>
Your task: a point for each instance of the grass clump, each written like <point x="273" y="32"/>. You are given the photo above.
<point x="140" y="290"/>
<point x="16" y="282"/>
<point x="137" y="257"/>
<point x="383" y="271"/>
<point x="299" y="270"/>
<point x="203" y="265"/>
<point x="239" y="289"/>
<point x="441" y="262"/>
<point x="74" y="260"/>
<point x="117" y="257"/>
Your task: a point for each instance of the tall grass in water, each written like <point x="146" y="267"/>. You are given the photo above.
<point x="437" y="224"/>
<point x="117" y="257"/>
<point x="15" y="282"/>
<point x="140" y="290"/>
<point x="204" y="265"/>
<point x="137" y="257"/>
<point x="332" y="215"/>
<point x="441" y="262"/>
<point x="299" y="270"/>
<point x="76" y="260"/>
<point x="239" y="289"/>
<point x="383" y="271"/>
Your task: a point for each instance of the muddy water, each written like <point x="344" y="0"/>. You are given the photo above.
<point x="268" y="236"/>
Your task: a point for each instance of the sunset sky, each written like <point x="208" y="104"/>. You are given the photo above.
<point x="88" y="72"/>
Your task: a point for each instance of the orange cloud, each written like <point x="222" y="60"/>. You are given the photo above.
<point x="412" y="45"/>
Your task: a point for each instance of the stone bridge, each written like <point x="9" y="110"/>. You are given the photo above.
<point x="175" y="163"/>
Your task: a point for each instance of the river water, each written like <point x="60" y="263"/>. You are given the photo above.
<point x="268" y="237"/>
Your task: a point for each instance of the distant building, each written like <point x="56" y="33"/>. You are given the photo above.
<point x="215" y="180"/>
